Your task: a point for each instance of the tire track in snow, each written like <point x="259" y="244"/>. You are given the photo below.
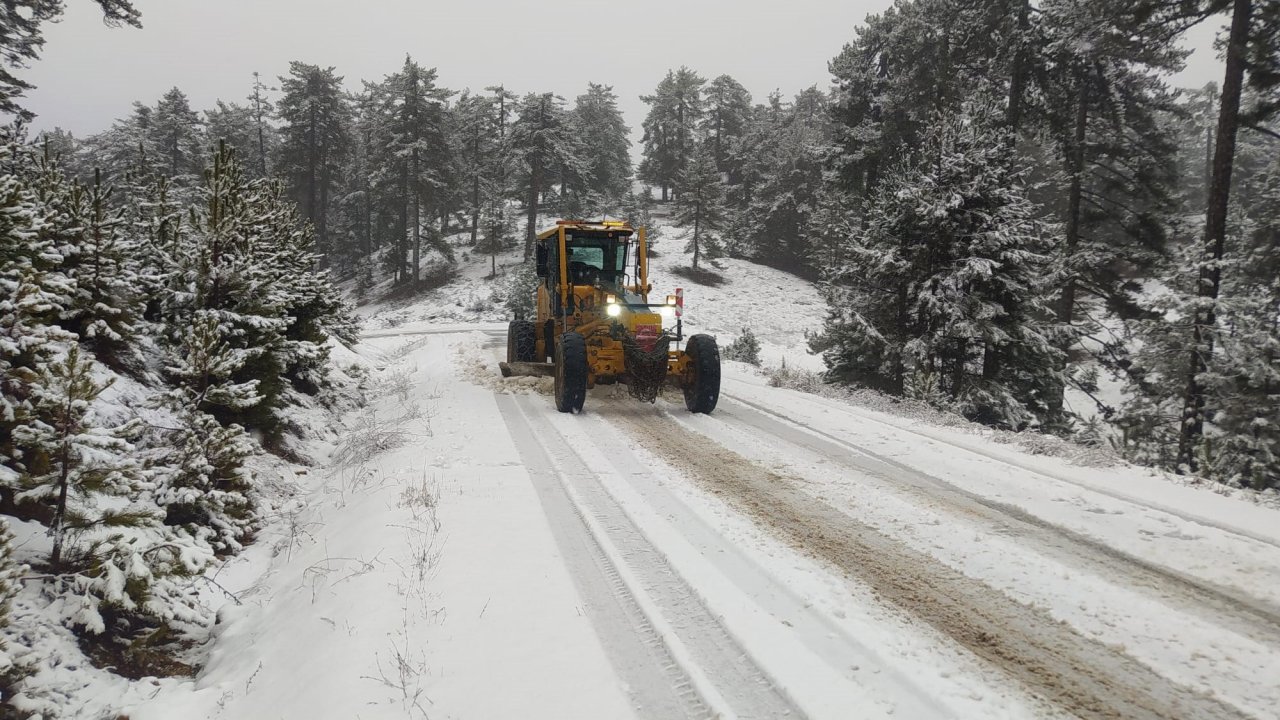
<point x="659" y="687"/>
<point x="1247" y="615"/>
<point x="965" y="447"/>
<point x="815" y="630"/>
<point x="726" y="669"/>
<point x="1048" y="657"/>
<point x="576" y="503"/>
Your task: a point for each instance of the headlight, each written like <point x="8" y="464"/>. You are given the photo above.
<point x="610" y="299"/>
<point x="671" y="300"/>
<point x="613" y="309"/>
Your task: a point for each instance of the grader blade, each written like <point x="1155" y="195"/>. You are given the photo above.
<point x="527" y="369"/>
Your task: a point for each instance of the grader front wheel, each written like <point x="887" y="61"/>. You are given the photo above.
<point x="571" y="372"/>
<point x="702" y="383"/>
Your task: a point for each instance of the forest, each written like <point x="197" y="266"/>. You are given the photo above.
<point x="1001" y="200"/>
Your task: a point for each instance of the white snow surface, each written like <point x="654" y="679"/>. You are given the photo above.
<point x="462" y="550"/>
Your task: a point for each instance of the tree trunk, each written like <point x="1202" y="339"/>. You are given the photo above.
<point x="1193" y="409"/>
<point x="322" y="223"/>
<point x="417" y="222"/>
<point x="475" y="210"/>
<point x="1067" y="301"/>
<point x="1018" y="72"/>
<point x="1208" y="153"/>
<point x="531" y="212"/>
<point x="58" y="527"/>
<point x="312" y="151"/>
<point x="697" y="221"/>
<point x="402" y="237"/>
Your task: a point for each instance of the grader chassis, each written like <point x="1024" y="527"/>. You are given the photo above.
<point x="594" y="323"/>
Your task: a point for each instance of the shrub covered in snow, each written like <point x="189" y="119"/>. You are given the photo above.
<point x="521" y="285"/>
<point x="10" y="671"/>
<point x="744" y="348"/>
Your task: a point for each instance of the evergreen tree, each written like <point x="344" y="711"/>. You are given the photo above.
<point x="728" y="112"/>
<point x="206" y="491"/>
<point x="671" y="128"/>
<point x="127" y="152"/>
<point x="11" y="671"/>
<point x="106" y="304"/>
<point x="542" y="139"/>
<point x="415" y="155"/>
<point x="113" y="561"/>
<point x="606" y="149"/>
<point x="361" y="212"/>
<point x="786" y="170"/>
<point x="224" y="269"/>
<point x="70" y="461"/>
<point x="238" y="127"/>
<point x="491" y="186"/>
<point x="315" y="141"/>
<point x="699" y="205"/>
<point x="178" y="135"/>
<point x="946" y="288"/>
<point x="475" y="138"/>
<point x="34" y="294"/>
<point x="637" y="211"/>
<point x="262" y="108"/>
<point x="1250" y="51"/>
<point x="914" y="60"/>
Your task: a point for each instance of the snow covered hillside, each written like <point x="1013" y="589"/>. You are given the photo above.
<point x="468" y="552"/>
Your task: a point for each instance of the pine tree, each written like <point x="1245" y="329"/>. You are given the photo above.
<point x="1250" y="50"/>
<point x="475" y="143"/>
<point x="912" y="61"/>
<point x="71" y="462"/>
<point x="262" y="109"/>
<point x="106" y="303"/>
<point x="178" y="134"/>
<point x="786" y="169"/>
<point x="34" y="294"/>
<point x="113" y="561"/>
<point x="207" y="490"/>
<point x="127" y="152"/>
<point x="637" y="210"/>
<point x="671" y="128"/>
<point x="315" y="140"/>
<point x="606" y="149"/>
<point x="728" y="112"/>
<point x="699" y="205"/>
<point x="947" y="286"/>
<point x="237" y="126"/>
<point x="10" y="671"/>
<point x="542" y="139"/>
<point x="415" y="153"/>
<point x="223" y="268"/>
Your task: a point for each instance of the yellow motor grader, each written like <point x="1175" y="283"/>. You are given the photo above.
<point x="596" y="326"/>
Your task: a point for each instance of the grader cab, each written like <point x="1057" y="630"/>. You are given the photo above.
<point x="596" y="326"/>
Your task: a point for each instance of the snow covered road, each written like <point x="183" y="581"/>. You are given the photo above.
<point x="787" y="556"/>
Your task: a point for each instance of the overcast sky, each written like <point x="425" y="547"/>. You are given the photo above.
<point x="90" y="74"/>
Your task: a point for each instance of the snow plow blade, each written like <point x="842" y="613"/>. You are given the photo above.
<point x="527" y="369"/>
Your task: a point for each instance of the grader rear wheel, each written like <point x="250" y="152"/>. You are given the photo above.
<point x="702" y="383"/>
<point x="571" y="372"/>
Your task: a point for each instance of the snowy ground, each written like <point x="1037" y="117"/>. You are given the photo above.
<point x="468" y="552"/>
